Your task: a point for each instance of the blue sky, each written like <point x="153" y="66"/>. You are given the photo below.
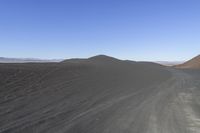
<point x="152" y="30"/>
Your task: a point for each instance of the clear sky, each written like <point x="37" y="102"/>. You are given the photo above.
<point x="167" y="30"/>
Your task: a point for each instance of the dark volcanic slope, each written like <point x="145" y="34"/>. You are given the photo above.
<point x="96" y="95"/>
<point x="191" y="64"/>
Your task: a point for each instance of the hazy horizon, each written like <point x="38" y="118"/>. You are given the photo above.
<point x="134" y="30"/>
<point x="61" y="59"/>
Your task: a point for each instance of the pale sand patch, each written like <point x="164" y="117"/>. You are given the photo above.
<point x="193" y="119"/>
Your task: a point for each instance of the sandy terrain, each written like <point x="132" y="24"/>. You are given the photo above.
<point x="98" y="95"/>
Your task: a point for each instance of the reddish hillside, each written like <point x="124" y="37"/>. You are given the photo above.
<point x="191" y="64"/>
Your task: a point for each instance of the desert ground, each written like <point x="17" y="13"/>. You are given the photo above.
<point x="99" y="95"/>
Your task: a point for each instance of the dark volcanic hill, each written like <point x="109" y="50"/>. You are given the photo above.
<point x="99" y="59"/>
<point x="50" y="97"/>
<point x="191" y="64"/>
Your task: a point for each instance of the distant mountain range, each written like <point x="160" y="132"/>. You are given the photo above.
<point x="169" y="63"/>
<point x="26" y="60"/>
<point x="36" y="60"/>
